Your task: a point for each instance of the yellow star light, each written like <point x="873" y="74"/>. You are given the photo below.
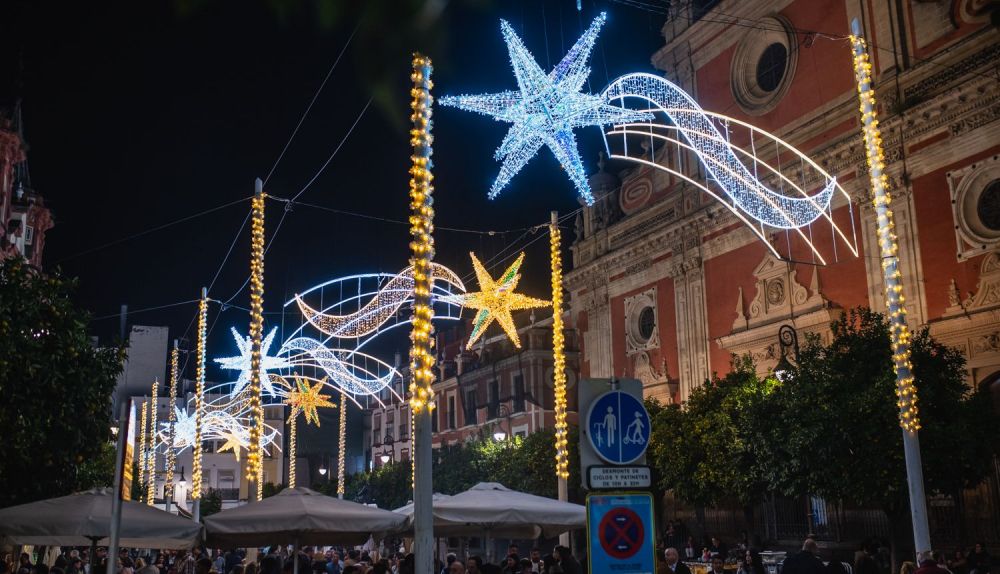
<point x="307" y="399"/>
<point x="496" y="299"/>
<point x="234" y="442"/>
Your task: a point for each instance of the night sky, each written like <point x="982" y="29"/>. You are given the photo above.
<point x="142" y="113"/>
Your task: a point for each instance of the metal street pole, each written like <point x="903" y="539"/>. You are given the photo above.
<point x="116" y="502"/>
<point x="888" y="246"/>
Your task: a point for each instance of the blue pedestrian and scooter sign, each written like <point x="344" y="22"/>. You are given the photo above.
<point x="618" y="427"/>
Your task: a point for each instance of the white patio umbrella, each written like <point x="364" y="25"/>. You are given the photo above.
<point x="85" y="518"/>
<point x="299" y="516"/>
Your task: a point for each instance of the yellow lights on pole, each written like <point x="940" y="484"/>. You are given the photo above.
<point x="255" y="456"/>
<point x="199" y="396"/>
<point x="421" y="344"/>
<point x="143" y="452"/>
<point x="558" y="350"/>
<point x="151" y="451"/>
<point x="168" y="487"/>
<point x="906" y="392"/>
<point x="292" y="427"/>
<point x="342" y="445"/>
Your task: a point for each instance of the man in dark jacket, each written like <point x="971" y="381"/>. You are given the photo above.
<point x="928" y="565"/>
<point x="674" y="563"/>
<point x="805" y="562"/>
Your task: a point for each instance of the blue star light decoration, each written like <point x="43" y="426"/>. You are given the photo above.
<point x="241" y="362"/>
<point x="546" y="109"/>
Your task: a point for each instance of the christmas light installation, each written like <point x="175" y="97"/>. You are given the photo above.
<point x="143" y="444"/>
<point x="293" y="418"/>
<point x="350" y="371"/>
<point x="243" y="361"/>
<point x="171" y="453"/>
<point x="421" y="342"/>
<point x="151" y="467"/>
<point x="199" y="395"/>
<point x="384" y="304"/>
<point x="558" y="352"/>
<point x="496" y="299"/>
<point x="308" y="398"/>
<point x="233" y="441"/>
<point x="546" y="109"/>
<point x="342" y="445"/>
<point x="906" y="393"/>
<point x="255" y="462"/>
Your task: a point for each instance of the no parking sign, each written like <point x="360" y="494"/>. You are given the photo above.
<point x="620" y="533"/>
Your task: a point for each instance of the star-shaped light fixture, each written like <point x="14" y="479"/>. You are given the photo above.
<point x="307" y="398"/>
<point x="241" y="362"/>
<point x="546" y="109"/>
<point x="496" y="299"/>
<point x="234" y="442"/>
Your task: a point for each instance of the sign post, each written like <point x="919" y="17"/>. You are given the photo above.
<point x="620" y="533"/>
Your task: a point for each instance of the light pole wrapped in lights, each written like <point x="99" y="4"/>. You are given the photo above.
<point x="559" y="362"/>
<point x="292" y="454"/>
<point x="151" y="452"/>
<point x="906" y="392"/>
<point x="342" y="444"/>
<point x="143" y="448"/>
<point x="255" y="456"/>
<point x="199" y="402"/>
<point x="421" y="352"/>
<point x="171" y="455"/>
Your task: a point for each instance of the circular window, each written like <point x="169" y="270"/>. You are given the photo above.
<point x="988" y="206"/>
<point x="977" y="206"/>
<point x="647" y="323"/>
<point x="771" y="67"/>
<point x="763" y="65"/>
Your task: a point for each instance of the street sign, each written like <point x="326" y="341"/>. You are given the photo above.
<point x="618" y="427"/>
<point x="620" y="533"/>
<point x="618" y="477"/>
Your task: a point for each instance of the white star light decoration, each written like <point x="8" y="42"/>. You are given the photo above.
<point x="546" y="109"/>
<point x="241" y="362"/>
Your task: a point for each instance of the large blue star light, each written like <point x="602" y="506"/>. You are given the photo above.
<point x="546" y="109"/>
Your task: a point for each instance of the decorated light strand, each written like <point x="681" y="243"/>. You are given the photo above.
<point x="143" y="442"/>
<point x="151" y="453"/>
<point x="171" y="453"/>
<point x="255" y="456"/>
<point x="906" y="392"/>
<point x="558" y="351"/>
<point x="199" y="395"/>
<point x="342" y="445"/>
<point x="292" y="451"/>
<point x="422" y="242"/>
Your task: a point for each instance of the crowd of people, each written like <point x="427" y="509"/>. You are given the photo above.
<point x="277" y="560"/>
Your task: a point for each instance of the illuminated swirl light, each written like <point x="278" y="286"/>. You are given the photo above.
<point x="342" y="366"/>
<point x="383" y="306"/>
<point x="741" y="181"/>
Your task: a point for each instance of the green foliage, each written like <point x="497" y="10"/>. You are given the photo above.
<point x="525" y="465"/>
<point x="270" y="489"/>
<point x="210" y="503"/>
<point x="707" y="453"/>
<point x="99" y="470"/>
<point x="838" y="434"/>
<point x="56" y="386"/>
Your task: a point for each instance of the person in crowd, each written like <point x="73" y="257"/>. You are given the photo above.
<point x="805" y="562"/>
<point x="836" y="567"/>
<point x="672" y="536"/>
<point x="474" y="565"/>
<point x="203" y="566"/>
<point x="717" y="547"/>
<point x="672" y="559"/>
<point x="958" y="564"/>
<point x="718" y="565"/>
<point x="979" y="560"/>
<point x="450" y="559"/>
<point x="536" y="560"/>
<point x="250" y="568"/>
<point x="333" y="564"/>
<point x="907" y="567"/>
<point x="864" y="563"/>
<point x="525" y="566"/>
<point x="752" y="563"/>
<point x="566" y="561"/>
<point x="456" y="567"/>
<point x="928" y="565"/>
<point x="941" y="560"/>
<point x="511" y="564"/>
<point x="146" y="568"/>
<point x="706" y="554"/>
<point x="690" y="549"/>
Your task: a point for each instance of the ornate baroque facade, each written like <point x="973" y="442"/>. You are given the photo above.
<point x="667" y="284"/>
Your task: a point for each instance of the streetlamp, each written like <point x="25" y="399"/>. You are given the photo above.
<point x="183" y="481"/>
<point x="788" y="338"/>
<point x="388" y="442"/>
<point x="502" y="412"/>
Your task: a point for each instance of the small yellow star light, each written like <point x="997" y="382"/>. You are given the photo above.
<point x="234" y="442"/>
<point x="307" y="399"/>
<point x="496" y="299"/>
